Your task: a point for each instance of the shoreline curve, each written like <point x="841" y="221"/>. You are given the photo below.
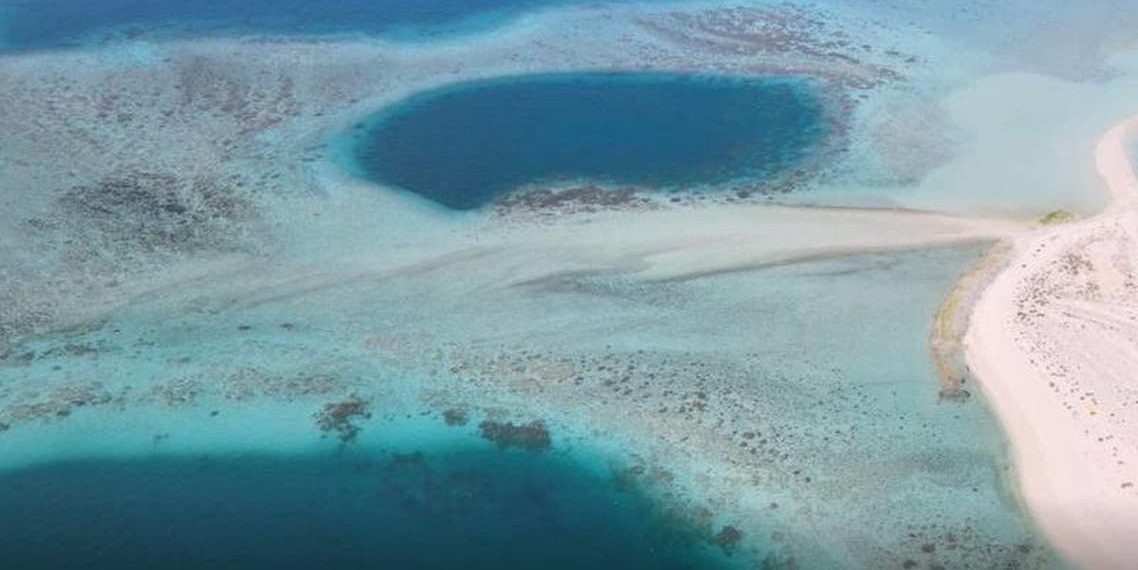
<point x="1051" y="341"/>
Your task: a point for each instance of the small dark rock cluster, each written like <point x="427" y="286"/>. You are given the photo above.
<point x="533" y="436"/>
<point x="455" y="417"/>
<point x="341" y="416"/>
<point x="938" y="548"/>
<point x="955" y="393"/>
<point x="728" y="537"/>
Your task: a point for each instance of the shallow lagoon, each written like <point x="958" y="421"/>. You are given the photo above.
<point x="835" y="444"/>
<point x="465" y="145"/>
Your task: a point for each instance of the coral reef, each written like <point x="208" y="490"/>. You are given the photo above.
<point x="58" y="402"/>
<point x="571" y="200"/>
<point x="249" y="383"/>
<point x="341" y="417"/>
<point x="455" y="417"/>
<point x="786" y="37"/>
<point x="728" y="537"/>
<point x="532" y="436"/>
<point x="147" y="211"/>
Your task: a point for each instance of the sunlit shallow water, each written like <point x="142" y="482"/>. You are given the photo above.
<point x="795" y="402"/>
<point x="824" y="364"/>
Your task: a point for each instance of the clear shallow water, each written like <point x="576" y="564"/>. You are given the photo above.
<point x="860" y="455"/>
<point x="464" y="145"/>
<point x="827" y="360"/>
<point x="37" y="24"/>
<point x="447" y="508"/>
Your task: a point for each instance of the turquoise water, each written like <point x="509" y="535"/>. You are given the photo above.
<point x="796" y="403"/>
<point x="464" y="145"/>
<point x="37" y="24"/>
<point x="445" y="508"/>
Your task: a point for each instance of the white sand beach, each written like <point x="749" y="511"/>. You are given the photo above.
<point x="1054" y="343"/>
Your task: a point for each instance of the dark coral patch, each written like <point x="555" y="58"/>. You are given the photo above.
<point x="728" y="537"/>
<point x="341" y="416"/>
<point x="533" y="436"/>
<point x="150" y="211"/>
<point x="455" y="417"/>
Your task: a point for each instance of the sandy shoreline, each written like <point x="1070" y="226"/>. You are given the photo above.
<point x="1054" y="342"/>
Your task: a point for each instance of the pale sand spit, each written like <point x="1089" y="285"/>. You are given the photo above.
<point x="1053" y="341"/>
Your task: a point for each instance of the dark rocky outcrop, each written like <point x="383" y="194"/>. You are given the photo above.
<point x="533" y="436"/>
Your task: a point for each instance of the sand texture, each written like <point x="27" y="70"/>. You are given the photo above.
<point x="1054" y="341"/>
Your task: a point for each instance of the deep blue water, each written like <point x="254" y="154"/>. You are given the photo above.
<point x="34" y="24"/>
<point x="450" y="510"/>
<point x="464" y="145"/>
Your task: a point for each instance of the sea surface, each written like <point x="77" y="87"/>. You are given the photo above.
<point x="791" y="397"/>
<point x="464" y="145"/>
<point x="459" y="507"/>
<point x="42" y="24"/>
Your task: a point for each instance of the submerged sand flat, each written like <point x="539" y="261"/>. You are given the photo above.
<point x="189" y="269"/>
